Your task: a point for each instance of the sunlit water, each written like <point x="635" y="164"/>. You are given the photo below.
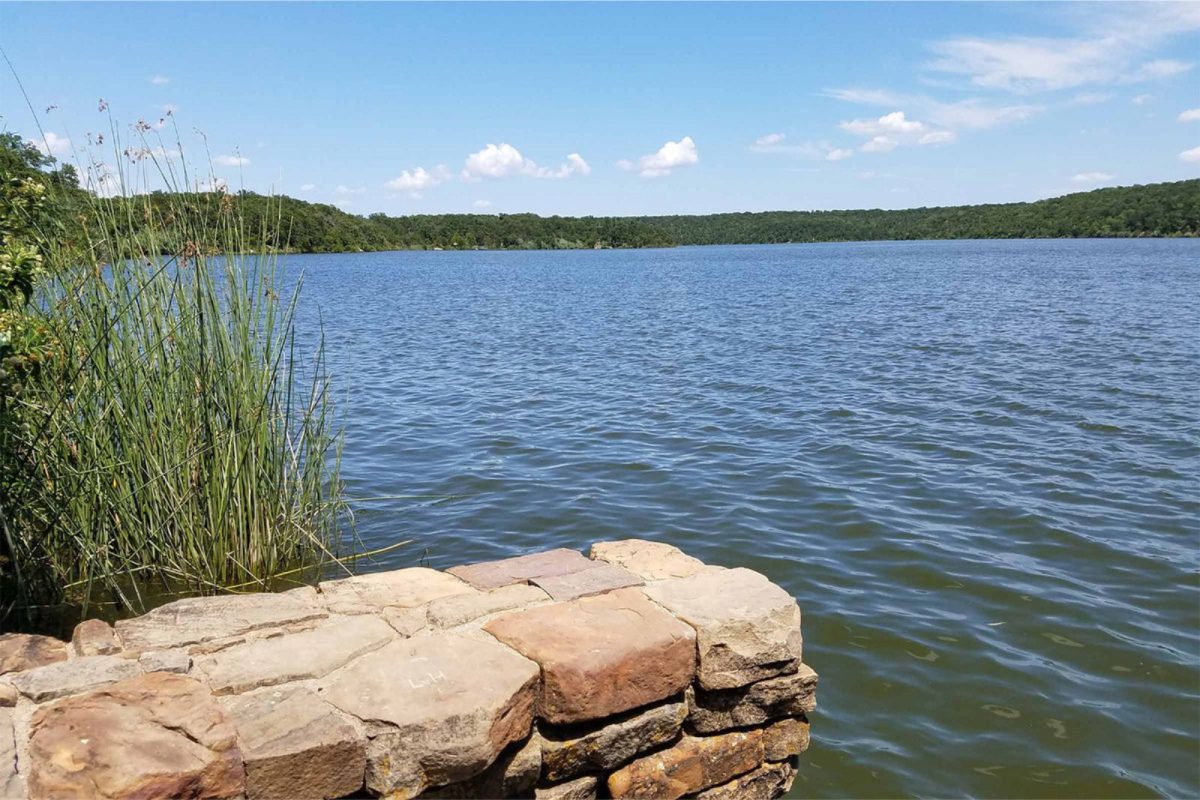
<point x="973" y="463"/>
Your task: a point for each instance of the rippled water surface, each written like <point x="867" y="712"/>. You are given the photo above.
<point x="973" y="463"/>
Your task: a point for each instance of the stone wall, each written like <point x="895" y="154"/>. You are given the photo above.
<point x="639" y="672"/>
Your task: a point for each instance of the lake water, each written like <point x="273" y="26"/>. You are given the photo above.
<point x="974" y="464"/>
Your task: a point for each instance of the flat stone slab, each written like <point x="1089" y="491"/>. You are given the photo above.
<point x="450" y="612"/>
<point x="201" y="619"/>
<point x="22" y="651"/>
<point x="513" y="774"/>
<point x="567" y="752"/>
<point x="774" y="698"/>
<point x="651" y="561"/>
<point x="153" y="736"/>
<point x="165" y="661"/>
<point x="578" y="789"/>
<point x="522" y="569"/>
<point x="694" y="764"/>
<point x="785" y="739"/>
<point x="401" y="588"/>
<point x="8" y="695"/>
<point x="11" y="785"/>
<point x="294" y="656"/>
<point x="440" y="708"/>
<point x="597" y="579"/>
<point x="747" y="628"/>
<point x="765" y="783"/>
<point x="74" y="676"/>
<point x="295" y="746"/>
<point x="593" y="665"/>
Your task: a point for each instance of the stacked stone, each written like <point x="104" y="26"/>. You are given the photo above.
<point x="639" y="672"/>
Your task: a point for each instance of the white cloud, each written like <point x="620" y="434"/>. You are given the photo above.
<point x="775" y="143"/>
<point x="232" y="161"/>
<point x="212" y="185"/>
<point x="1159" y="68"/>
<point x="1092" y="177"/>
<point x="1191" y="115"/>
<point x="671" y="155"/>
<point x="893" y="123"/>
<point x="880" y="144"/>
<point x="770" y="140"/>
<point x="345" y="191"/>
<point x="938" y="137"/>
<point x="1089" y="99"/>
<point x="1142" y="99"/>
<point x="972" y="113"/>
<point x="53" y="145"/>
<point x="838" y="153"/>
<point x="419" y="179"/>
<point x="504" y="160"/>
<point x="1191" y="156"/>
<point x="160" y="80"/>
<point x="308" y="187"/>
<point x="482" y="203"/>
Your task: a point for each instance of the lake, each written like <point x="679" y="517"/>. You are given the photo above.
<point x="974" y="464"/>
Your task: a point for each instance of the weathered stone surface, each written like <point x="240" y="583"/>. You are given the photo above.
<point x="401" y="588"/>
<point x="71" y="677"/>
<point x="765" y="783"/>
<point x="201" y="619"/>
<point x="95" y="637"/>
<point x="153" y="736"/>
<point x="295" y="745"/>
<point x="652" y="561"/>
<point x="786" y="738"/>
<point x="440" y="708"/>
<point x="22" y="651"/>
<point x="8" y="695"/>
<point x="591" y="666"/>
<point x="449" y="612"/>
<point x="694" y="764"/>
<point x="601" y="577"/>
<point x="166" y="661"/>
<point x="578" y="789"/>
<point x="294" y="656"/>
<point x="11" y="785"/>
<point x="774" y="698"/>
<point x="513" y="774"/>
<point x="571" y="751"/>
<point x="747" y="628"/>
<point x="522" y="569"/>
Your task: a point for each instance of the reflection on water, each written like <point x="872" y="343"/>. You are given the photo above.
<point x="973" y="463"/>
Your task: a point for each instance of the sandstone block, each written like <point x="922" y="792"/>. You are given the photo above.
<point x="294" y="656"/>
<point x="449" y="612"/>
<point x="774" y="698"/>
<point x="567" y="752"/>
<point x="599" y="578"/>
<point x="652" y="561"/>
<point x="401" y="588"/>
<point x="200" y="619"/>
<point x="295" y="745"/>
<point x="578" y="789"/>
<point x="786" y="738"/>
<point x="72" y="677"/>
<point x="166" y="661"/>
<point x="11" y="785"/>
<point x="522" y="569"/>
<point x="747" y="628"/>
<point x="592" y="667"/>
<point x="513" y="774"/>
<point x="94" y="637"/>
<point x="694" y="764"/>
<point x="8" y="695"/>
<point x="439" y="708"/>
<point x="765" y="783"/>
<point x="153" y="736"/>
<point x="22" y="651"/>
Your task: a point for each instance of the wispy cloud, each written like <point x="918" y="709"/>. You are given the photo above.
<point x="888" y="132"/>
<point x="670" y="156"/>
<point x="503" y="161"/>
<point x="778" y="143"/>
<point x="232" y="161"/>
<point x="1092" y="177"/>
<point x="482" y="203"/>
<point x="341" y="190"/>
<point x="53" y="145"/>
<point x="1191" y="115"/>
<point x="308" y="187"/>
<point x="1191" y="156"/>
<point x="160" y="80"/>
<point x="969" y="114"/>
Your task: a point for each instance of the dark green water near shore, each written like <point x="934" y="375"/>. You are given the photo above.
<point x="974" y="463"/>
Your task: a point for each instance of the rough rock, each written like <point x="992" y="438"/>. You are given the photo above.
<point x="95" y="637"/>
<point x="786" y="738"/>
<point x="652" y="561"/>
<point x="153" y="736"/>
<point x="449" y="612"/>
<point x="295" y="745"/>
<point x="166" y="661"/>
<point x="201" y="619"/>
<point x="522" y="569"/>
<point x="8" y="695"/>
<point x="71" y="677"/>
<point x="440" y="708"/>
<point x="774" y="698"/>
<point x="600" y="577"/>
<point x="765" y="783"/>
<point x="567" y="752"/>
<point x="11" y="785"/>
<point x="513" y="774"/>
<point x="294" y="656"/>
<point x="747" y="628"/>
<point x="694" y="764"/>
<point x="591" y="666"/>
<point x="401" y="588"/>
<point x="578" y="789"/>
<point x="22" y="651"/>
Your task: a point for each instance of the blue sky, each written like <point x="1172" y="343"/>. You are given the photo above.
<point x="622" y="109"/>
